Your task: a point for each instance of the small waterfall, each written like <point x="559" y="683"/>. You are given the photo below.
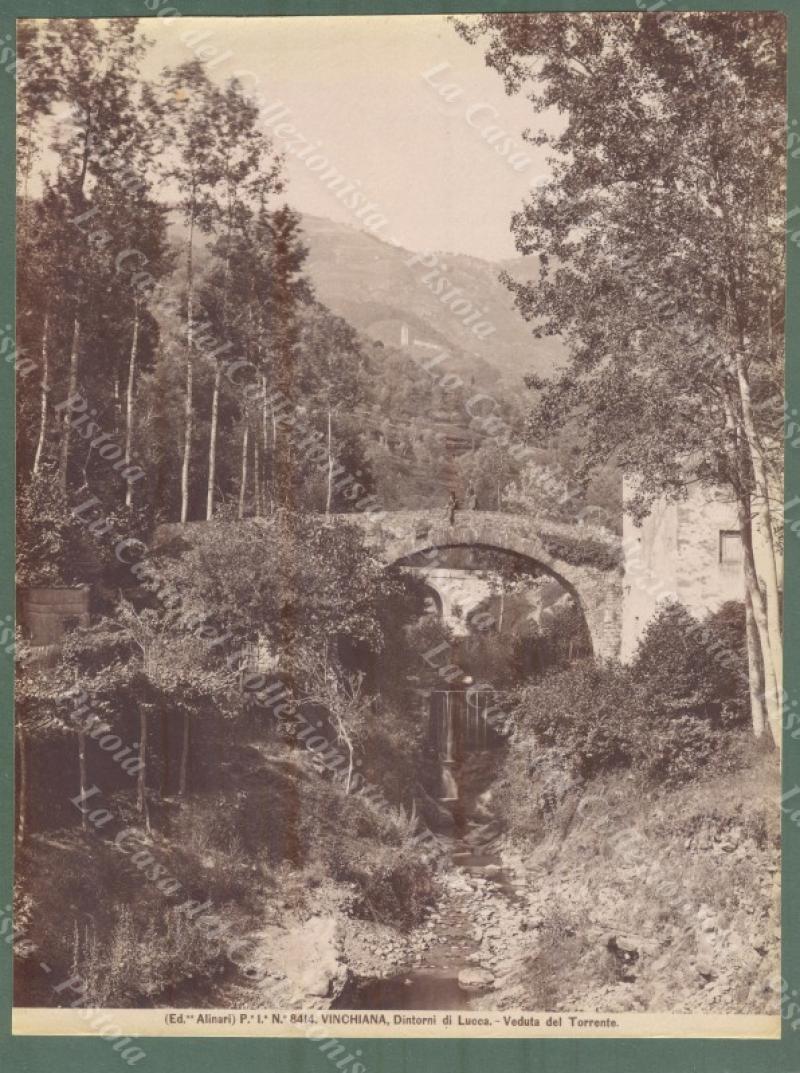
<point x="458" y="725"/>
<point x="446" y="710"/>
<point x="449" y="784"/>
<point x="476" y="737"/>
<point x="449" y="727"/>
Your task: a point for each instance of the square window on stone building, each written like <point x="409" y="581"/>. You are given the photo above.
<point x="730" y="547"/>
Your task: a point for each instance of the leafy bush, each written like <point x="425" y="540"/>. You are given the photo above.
<point x="143" y="960"/>
<point x="209" y="854"/>
<point x="359" y="843"/>
<point x="395" y="752"/>
<point x="132" y="945"/>
<point x="584" y="713"/>
<point x="696" y="668"/>
<point x="562" y="941"/>
<point x="393" y="882"/>
<point x="536" y="787"/>
<point x="53" y="547"/>
<point x="725" y="638"/>
<point x="671" y="663"/>
<point x="564" y="634"/>
<point x="667" y="717"/>
<point x="676" y="749"/>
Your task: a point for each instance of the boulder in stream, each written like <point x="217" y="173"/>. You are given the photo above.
<point x="475" y="979"/>
<point x="492" y="871"/>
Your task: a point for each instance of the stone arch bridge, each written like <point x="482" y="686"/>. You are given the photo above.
<point x="585" y="560"/>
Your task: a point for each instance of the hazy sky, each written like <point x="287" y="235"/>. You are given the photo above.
<point x="356" y="86"/>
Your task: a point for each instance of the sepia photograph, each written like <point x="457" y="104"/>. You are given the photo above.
<point x="400" y="526"/>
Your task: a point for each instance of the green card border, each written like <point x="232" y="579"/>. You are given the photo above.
<point x="87" y="1055"/>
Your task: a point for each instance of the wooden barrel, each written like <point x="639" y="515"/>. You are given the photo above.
<point x="50" y="612"/>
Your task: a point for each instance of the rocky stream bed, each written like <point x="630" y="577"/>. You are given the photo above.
<point x="461" y="950"/>
<point x="571" y="925"/>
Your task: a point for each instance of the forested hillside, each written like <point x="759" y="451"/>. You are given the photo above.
<point x="181" y="325"/>
<point x="379" y="287"/>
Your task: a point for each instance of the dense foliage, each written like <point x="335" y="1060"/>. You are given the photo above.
<point x="678" y="709"/>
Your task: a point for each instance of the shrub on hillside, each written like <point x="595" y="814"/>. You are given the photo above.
<point x="53" y="546"/>
<point x="674" y="749"/>
<point x="132" y="946"/>
<point x="394" y="751"/>
<point x="671" y="715"/>
<point x="691" y="680"/>
<point x="696" y="668"/>
<point x="584" y="713"/>
<point x="393" y="883"/>
<point x="141" y="960"/>
<point x="358" y="843"/>
<point x="535" y="788"/>
<point x="725" y="641"/>
<point x="564" y="634"/>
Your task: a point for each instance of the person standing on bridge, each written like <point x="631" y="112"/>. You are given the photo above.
<point x="452" y="507"/>
<point x="472" y="497"/>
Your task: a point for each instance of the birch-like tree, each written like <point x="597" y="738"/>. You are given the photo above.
<point x="189" y="105"/>
<point x="661" y="247"/>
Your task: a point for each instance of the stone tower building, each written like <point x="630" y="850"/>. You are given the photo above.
<point x="690" y="551"/>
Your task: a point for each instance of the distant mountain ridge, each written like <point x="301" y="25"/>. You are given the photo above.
<point x="390" y="294"/>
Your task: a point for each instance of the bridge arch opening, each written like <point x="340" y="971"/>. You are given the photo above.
<point x="509" y="629"/>
<point x="586" y="561"/>
<point x="434" y="604"/>
<point x="499" y="572"/>
<point x="582" y="568"/>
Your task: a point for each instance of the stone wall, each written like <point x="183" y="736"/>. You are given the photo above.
<point x="676" y="554"/>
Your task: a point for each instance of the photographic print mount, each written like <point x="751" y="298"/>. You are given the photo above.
<point x="380" y="671"/>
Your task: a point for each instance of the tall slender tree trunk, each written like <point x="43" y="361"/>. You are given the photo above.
<point x="141" y="784"/>
<point x="277" y="466"/>
<point x="82" y="775"/>
<point x="329" y="499"/>
<point x="772" y="694"/>
<point x="755" y="669"/>
<point x="188" y="413"/>
<point x="129" y="401"/>
<point x="165" y="757"/>
<point x="243" y="479"/>
<point x="257" y="487"/>
<point x="27" y="168"/>
<point x="188" y="428"/>
<point x="770" y="569"/>
<point x="45" y="388"/>
<point x="117" y="407"/>
<point x="265" y="479"/>
<point x="212" y="443"/>
<point x="72" y="387"/>
<point x="22" y="793"/>
<point x="348" y="743"/>
<point x="184" y="768"/>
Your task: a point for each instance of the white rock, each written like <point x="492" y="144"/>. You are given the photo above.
<point x="475" y="979"/>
